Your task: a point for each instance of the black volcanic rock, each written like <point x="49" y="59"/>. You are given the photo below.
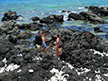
<point x="74" y="16"/>
<point x="93" y="16"/>
<point x="35" y="18"/>
<point x="25" y="35"/>
<point x="88" y="16"/>
<point x="32" y="26"/>
<point x="11" y="38"/>
<point x="5" y="47"/>
<point x="10" y="15"/>
<point x="102" y="11"/>
<point x="94" y="9"/>
<point x="52" y="18"/>
<point x="82" y="49"/>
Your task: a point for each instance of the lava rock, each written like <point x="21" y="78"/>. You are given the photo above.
<point x="52" y="18"/>
<point x="10" y="15"/>
<point x="25" y="35"/>
<point x="35" y="18"/>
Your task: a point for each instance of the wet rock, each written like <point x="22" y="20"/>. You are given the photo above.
<point x="36" y="26"/>
<point x="25" y="35"/>
<point x="47" y="20"/>
<point x="32" y="26"/>
<point x="106" y="36"/>
<point x="24" y="26"/>
<point x="65" y="11"/>
<point x="52" y="18"/>
<point x="94" y="9"/>
<point x="97" y="29"/>
<point x="87" y="16"/>
<point x="35" y="18"/>
<point x="52" y="27"/>
<point x="23" y="42"/>
<point x="102" y="11"/>
<point x="74" y="16"/>
<point x="10" y="15"/>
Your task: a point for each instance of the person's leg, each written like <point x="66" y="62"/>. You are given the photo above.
<point x="45" y="50"/>
<point x="45" y="47"/>
<point x="42" y="49"/>
<point x="57" y="51"/>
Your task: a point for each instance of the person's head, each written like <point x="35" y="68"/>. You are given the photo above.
<point x="43" y="34"/>
<point x="57" y="35"/>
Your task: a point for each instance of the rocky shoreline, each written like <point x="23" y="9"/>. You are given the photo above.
<point x="83" y="55"/>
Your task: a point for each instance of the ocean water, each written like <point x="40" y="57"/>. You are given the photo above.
<point x="43" y="8"/>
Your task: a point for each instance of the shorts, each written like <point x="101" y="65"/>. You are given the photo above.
<point x="44" y="45"/>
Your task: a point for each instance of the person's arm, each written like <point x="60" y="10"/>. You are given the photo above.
<point x="41" y="33"/>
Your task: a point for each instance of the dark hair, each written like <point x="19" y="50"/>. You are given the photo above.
<point x="57" y="35"/>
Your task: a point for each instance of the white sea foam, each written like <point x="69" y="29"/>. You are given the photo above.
<point x="2" y="69"/>
<point x="11" y="67"/>
<point x="84" y="70"/>
<point x="69" y="65"/>
<point x="31" y="70"/>
<point x="106" y="74"/>
<point x="97" y="52"/>
<point x="58" y="75"/>
<point x="99" y="78"/>
<point x="19" y="70"/>
<point x="66" y="16"/>
<point x="37" y="58"/>
<point x="19" y="55"/>
<point x="81" y="8"/>
<point x="4" y="60"/>
<point x="20" y="19"/>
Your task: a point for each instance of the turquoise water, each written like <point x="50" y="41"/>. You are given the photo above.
<point x="43" y="8"/>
